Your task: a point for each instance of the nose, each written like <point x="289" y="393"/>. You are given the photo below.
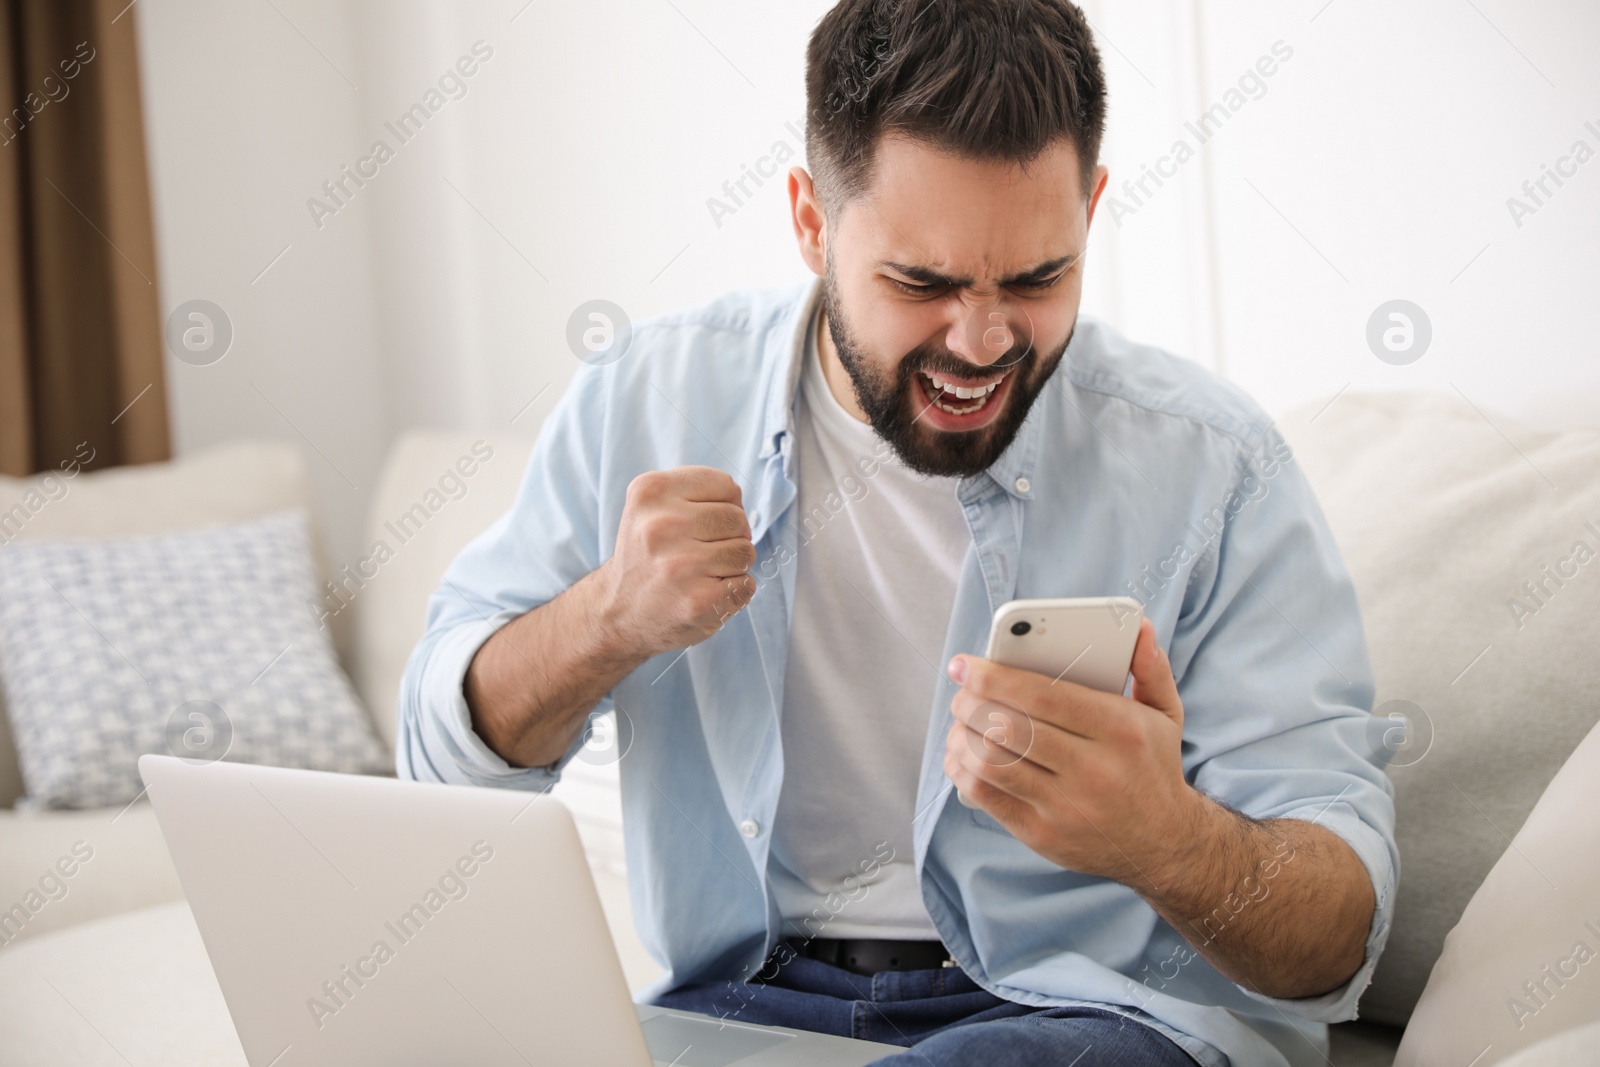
<point x="981" y="331"/>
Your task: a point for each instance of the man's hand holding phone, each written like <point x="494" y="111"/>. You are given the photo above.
<point x="1091" y="780"/>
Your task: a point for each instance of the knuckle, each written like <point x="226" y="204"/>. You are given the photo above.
<point x="1125" y="732"/>
<point x="677" y="569"/>
<point x="647" y="487"/>
<point x="980" y="677"/>
<point x="732" y="521"/>
<point x="655" y="534"/>
<point x="957" y="772"/>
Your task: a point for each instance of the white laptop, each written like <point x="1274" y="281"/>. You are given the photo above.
<point x="358" y="921"/>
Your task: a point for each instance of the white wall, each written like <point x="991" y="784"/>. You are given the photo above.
<point x="242" y="119"/>
<point x="579" y="163"/>
<point x="1376" y="165"/>
<point x="1150" y="271"/>
<point x="577" y="168"/>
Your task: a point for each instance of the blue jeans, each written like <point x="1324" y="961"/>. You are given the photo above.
<point x="946" y="1017"/>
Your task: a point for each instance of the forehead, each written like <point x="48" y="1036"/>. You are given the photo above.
<point x="984" y="217"/>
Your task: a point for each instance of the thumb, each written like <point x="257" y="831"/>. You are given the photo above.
<point x="1153" y="683"/>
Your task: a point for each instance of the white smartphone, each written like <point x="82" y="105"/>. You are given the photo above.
<point x="1087" y="640"/>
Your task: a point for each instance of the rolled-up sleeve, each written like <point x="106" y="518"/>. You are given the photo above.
<point x="1277" y="688"/>
<point x="1376" y="851"/>
<point x="548" y="541"/>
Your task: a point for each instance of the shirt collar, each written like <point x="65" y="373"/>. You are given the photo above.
<point x="786" y="352"/>
<point x="1012" y="471"/>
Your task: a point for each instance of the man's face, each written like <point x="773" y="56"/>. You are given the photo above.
<point x="951" y="288"/>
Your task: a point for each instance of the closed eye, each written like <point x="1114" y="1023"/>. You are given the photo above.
<point x="1039" y="284"/>
<point x="914" y="289"/>
<point x="1034" y="285"/>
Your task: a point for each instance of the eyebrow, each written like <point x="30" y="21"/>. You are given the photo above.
<point x="929" y="276"/>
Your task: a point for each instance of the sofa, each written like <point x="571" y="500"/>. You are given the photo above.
<point x="1444" y="516"/>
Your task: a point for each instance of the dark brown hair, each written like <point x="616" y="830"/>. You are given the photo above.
<point x="982" y="79"/>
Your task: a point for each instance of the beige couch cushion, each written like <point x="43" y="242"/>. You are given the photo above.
<point x="228" y="483"/>
<point x="1577" y="1045"/>
<point x="1536" y="920"/>
<point x="127" y="867"/>
<point x="424" y="511"/>
<point x="131" y="989"/>
<point x="1442" y="518"/>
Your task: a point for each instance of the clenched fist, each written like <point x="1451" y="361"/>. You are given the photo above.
<point x="682" y="560"/>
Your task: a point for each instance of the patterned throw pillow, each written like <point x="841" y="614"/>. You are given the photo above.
<point x="196" y="643"/>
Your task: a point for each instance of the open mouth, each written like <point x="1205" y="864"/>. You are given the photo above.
<point x="959" y="404"/>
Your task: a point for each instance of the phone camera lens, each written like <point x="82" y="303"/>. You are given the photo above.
<point x="1020" y="628"/>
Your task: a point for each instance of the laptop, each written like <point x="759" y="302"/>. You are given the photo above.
<point x="355" y="920"/>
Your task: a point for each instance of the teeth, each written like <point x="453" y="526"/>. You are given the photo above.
<point x="963" y="392"/>
<point x="954" y="392"/>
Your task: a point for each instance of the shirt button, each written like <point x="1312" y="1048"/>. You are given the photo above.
<point x="1023" y="485"/>
<point x="749" y="828"/>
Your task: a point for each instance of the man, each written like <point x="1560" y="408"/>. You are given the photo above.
<point x="771" y="537"/>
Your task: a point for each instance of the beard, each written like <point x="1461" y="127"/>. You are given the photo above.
<point x="893" y="400"/>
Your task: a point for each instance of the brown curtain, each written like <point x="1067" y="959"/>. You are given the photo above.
<point x="80" y="321"/>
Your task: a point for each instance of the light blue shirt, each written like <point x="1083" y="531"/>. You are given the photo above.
<point x="1136" y="473"/>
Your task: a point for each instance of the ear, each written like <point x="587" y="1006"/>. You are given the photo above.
<point x="810" y="221"/>
<point x="1102" y="178"/>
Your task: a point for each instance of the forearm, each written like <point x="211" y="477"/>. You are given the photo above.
<point x="532" y="685"/>
<point x="677" y="572"/>
<point x="1282" y="907"/>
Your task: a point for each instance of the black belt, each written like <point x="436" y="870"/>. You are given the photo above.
<point x="868" y="956"/>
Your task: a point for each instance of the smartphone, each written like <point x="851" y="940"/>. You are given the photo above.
<point x="1087" y="640"/>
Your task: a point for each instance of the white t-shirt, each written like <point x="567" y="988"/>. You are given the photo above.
<point x="878" y="550"/>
